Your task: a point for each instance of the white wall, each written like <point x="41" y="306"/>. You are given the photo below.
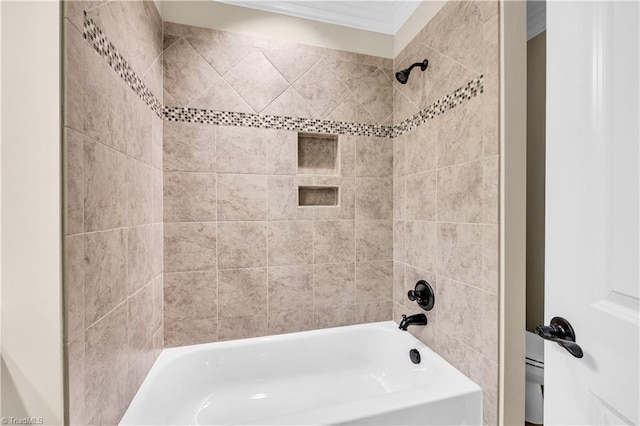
<point x="415" y="23"/>
<point x="30" y="147"/>
<point x="210" y="14"/>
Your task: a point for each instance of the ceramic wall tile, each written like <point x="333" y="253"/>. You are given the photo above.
<point x="241" y="150"/>
<point x="491" y="190"/>
<point x="140" y="256"/>
<point x="140" y="192"/>
<point x="334" y="316"/>
<point x="74" y="286"/>
<point x="237" y="286"/>
<point x="242" y="244"/>
<point x="186" y="73"/>
<point x="75" y="365"/>
<point x="376" y="94"/>
<point x="290" y="289"/>
<point x="460" y="312"/>
<point x="421" y="244"/>
<point x="190" y="332"/>
<point x="421" y="194"/>
<point x="77" y="53"/>
<point x="140" y="323"/>
<point x="460" y="133"/>
<point x="399" y="241"/>
<point x="374" y="240"/>
<point x="189" y="147"/>
<point x="189" y="246"/>
<point x="243" y="327"/>
<point x="374" y="157"/>
<point x="290" y="243"/>
<point x="373" y="312"/>
<point x="257" y="81"/>
<point x="420" y="146"/>
<point x="242" y="197"/>
<point x="462" y="357"/>
<point x="334" y="285"/>
<point x="106" y="358"/>
<point x="105" y="190"/>
<point x="282" y="152"/>
<point x="74" y="182"/>
<point x="460" y="252"/>
<point x="399" y="198"/>
<point x="220" y="97"/>
<point x="490" y="326"/>
<point x="333" y="241"/>
<point x="491" y="258"/>
<point x="105" y="273"/>
<point x="189" y="197"/>
<point x="374" y="282"/>
<point x="399" y="144"/>
<point x="374" y="198"/>
<point x="190" y="295"/>
<point x="460" y="194"/>
<point x="491" y="101"/>
<point x="321" y="88"/>
<point x="281" y="322"/>
<point x="282" y="195"/>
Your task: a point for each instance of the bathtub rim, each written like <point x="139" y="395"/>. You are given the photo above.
<point x="460" y="386"/>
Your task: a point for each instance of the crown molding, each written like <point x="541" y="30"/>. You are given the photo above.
<point x="385" y="17"/>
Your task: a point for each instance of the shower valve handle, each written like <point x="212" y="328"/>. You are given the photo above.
<point x="422" y="294"/>
<point x="561" y="332"/>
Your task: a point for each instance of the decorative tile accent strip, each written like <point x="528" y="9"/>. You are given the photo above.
<point x="106" y="49"/>
<point x="241" y="119"/>
<point x="459" y="96"/>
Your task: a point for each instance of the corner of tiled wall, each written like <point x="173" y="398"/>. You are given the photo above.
<point x="113" y="284"/>
<point x="445" y="182"/>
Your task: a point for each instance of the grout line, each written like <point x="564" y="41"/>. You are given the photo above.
<point x="267" y="221"/>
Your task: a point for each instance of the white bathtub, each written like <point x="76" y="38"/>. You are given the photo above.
<point x="360" y="374"/>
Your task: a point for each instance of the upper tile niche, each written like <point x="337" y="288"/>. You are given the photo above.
<point x="317" y="154"/>
<point x="222" y="71"/>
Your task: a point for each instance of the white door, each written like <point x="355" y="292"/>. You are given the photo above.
<point x="592" y="273"/>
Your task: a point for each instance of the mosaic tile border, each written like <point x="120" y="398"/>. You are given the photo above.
<point x="241" y="119"/>
<point x="459" y="96"/>
<point x="105" y="48"/>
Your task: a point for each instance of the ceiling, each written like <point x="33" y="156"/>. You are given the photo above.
<point x="381" y="16"/>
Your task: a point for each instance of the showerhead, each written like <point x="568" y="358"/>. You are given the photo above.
<point x="403" y="75"/>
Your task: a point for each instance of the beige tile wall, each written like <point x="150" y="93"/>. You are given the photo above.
<point x="243" y="260"/>
<point x="445" y="192"/>
<point x="113" y="281"/>
<point x="217" y="70"/>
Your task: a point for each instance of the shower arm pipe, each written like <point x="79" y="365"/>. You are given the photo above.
<point x="417" y="64"/>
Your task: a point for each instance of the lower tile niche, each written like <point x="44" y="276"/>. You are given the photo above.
<point x="317" y="196"/>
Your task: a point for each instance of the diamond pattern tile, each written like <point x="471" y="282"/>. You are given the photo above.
<point x="321" y="88"/>
<point x="222" y="56"/>
<point x="376" y="94"/>
<point x="291" y="64"/>
<point x="257" y="81"/>
<point x="186" y="73"/>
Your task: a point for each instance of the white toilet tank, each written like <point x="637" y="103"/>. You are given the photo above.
<point x="534" y="366"/>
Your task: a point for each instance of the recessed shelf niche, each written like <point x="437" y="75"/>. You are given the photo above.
<point x="317" y="154"/>
<point x="317" y="196"/>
